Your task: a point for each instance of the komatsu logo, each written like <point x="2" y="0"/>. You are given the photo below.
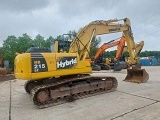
<point x="66" y="62"/>
<point x="114" y="29"/>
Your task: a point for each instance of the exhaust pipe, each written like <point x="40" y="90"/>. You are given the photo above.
<point x="137" y="75"/>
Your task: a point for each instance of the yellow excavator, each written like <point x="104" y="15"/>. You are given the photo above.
<point x="56" y="78"/>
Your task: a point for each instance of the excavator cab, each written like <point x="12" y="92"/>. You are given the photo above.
<point x="136" y="75"/>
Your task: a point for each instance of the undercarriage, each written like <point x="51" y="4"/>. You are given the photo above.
<point x="55" y="91"/>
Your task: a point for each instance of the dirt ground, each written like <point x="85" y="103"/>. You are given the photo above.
<point x="7" y="77"/>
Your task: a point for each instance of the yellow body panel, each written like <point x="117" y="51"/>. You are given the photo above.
<point x="35" y="66"/>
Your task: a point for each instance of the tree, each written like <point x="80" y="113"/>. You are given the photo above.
<point x="9" y="49"/>
<point x="59" y="37"/>
<point x="109" y="54"/>
<point x="156" y="54"/>
<point x="39" y="41"/>
<point x="49" y="41"/>
<point x="24" y="42"/>
<point x="94" y="46"/>
<point x="126" y="54"/>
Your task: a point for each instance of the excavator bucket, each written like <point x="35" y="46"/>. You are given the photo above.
<point x="137" y="75"/>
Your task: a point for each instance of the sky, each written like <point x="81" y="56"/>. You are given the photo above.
<point x="57" y="17"/>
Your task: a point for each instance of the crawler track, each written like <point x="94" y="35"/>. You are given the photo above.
<point x="71" y="88"/>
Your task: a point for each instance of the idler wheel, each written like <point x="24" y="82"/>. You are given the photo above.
<point x="42" y="96"/>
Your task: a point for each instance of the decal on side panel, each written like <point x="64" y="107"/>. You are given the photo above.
<point x="66" y="62"/>
<point x="38" y="63"/>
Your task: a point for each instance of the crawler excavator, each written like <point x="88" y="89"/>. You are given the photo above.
<point x="99" y="63"/>
<point x="56" y="78"/>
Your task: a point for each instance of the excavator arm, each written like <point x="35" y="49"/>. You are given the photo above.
<point x="120" y="44"/>
<point x="120" y="47"/>
<point x="138" y="48"/>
